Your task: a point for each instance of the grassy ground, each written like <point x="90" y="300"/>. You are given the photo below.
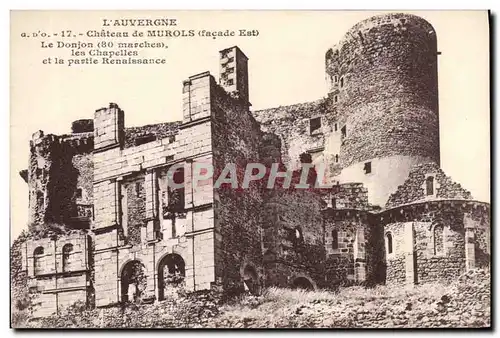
<point x="464" y="303"/>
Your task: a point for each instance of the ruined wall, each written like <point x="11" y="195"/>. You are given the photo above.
<point x="236" y="138"/>
<point x="348" y="196"/>
<point x="39" y="167"/>
<point x="127" y="187"/>
<point x="84" y="165"/>
<point x="58" y="271"/>
<point x="414" y="188"/>
<point x="53" y="197"/>
<point x="292" y="236"/>
<point x="429" y="240"/>
<point x="292" y="125"/>
<point x="144" y="134"/>
<point x="133" y="207"/>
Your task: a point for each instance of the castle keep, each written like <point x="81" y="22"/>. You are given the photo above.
<point x="389" y="214"/>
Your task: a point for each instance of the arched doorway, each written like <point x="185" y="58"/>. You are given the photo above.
<point x="133" y="281"/>
<point x="250" y="279"/>
<point x="302" y="283"/>
<point x="171" y="274"/>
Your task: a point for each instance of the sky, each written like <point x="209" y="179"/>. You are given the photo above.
<point x="286" y="66"/>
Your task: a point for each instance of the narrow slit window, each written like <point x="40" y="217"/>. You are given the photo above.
<point x="389" y="243"/>
<point x="335" y="240"/>
<point x="368" y="167"/>
<point x="429" y="185"/>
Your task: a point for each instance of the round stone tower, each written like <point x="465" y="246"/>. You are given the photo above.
<point x="384" y="99"/>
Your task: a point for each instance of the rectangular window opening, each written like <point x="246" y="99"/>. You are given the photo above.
<point x="314" y="124"/>
<point x="368" y="167"/>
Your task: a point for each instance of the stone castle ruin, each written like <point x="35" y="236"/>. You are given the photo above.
<point x="390" y="214"/>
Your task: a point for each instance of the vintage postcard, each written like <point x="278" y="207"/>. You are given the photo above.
<point x="250" y="169"/>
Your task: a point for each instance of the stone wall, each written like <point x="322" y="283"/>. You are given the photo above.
<point x="352" y="245"/>
<point x="84" y="165"/>
<point x="414" y="188"/>
<point x="52" y="196"/>
<point x="234" y="237"/>
<point x="395" y="261"/>
<point x="292" y="238"/>
<point x="133" y="207"/>
<point x="58" y="271"/>
<point x="349" y="196"/>
<point x="386" y="88"/>
<point x="429" y="240"/>
<point x="292" y="124"/>
<point x="127" y="187"/>
<point x="144" y="134"/>
<point x="236" y="139"/>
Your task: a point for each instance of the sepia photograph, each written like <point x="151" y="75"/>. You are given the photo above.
<point x="250" y="169"/>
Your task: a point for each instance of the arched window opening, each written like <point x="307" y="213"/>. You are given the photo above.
<point x="38" y="260"/>
<point x="429" y="185"/>
<point x="335" y="240"/>
<point x="171" y="274"/>
<point x="66" y="253"/>
<point x="302" y="283"/>
<point x="438" y="239"/>
<point x="133" y="282"/>
<point x="342" y="82"/>
<point x="389" y="243"/>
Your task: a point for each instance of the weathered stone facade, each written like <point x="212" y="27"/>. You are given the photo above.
<point x="388" y="213"/>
